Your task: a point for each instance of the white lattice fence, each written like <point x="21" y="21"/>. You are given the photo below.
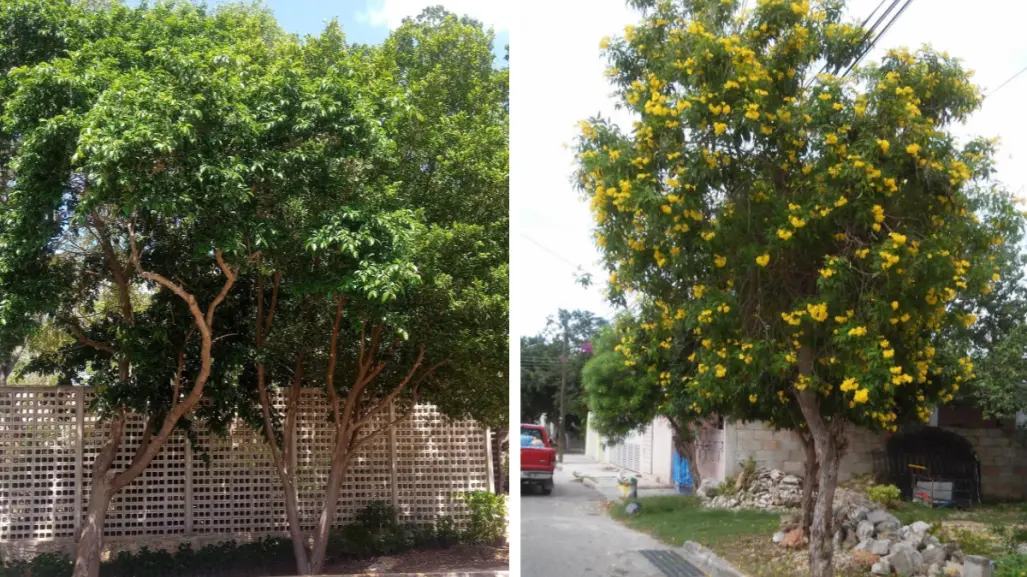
<point x="48" y="441"/>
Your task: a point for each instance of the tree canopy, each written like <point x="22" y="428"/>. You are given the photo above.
<point x="541" y="367"/>
<point x="198" y="198"/>
<point x="825" y="229"/>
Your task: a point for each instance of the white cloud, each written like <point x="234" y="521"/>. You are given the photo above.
<point x="390" y="13"/>
<point x="557" y="79"/>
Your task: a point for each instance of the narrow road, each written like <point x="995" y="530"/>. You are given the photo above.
<point x="567" y="534"/>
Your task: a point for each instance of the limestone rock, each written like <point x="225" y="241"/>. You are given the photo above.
<point x="865" y="530"/>
<point x="889" y="529"/>
<point x="878" y="516"/>
<point x="933" y="555"/>
<point x="880" y="546"/>
<point x="707" y="489"/>
<point x="882" y="567"/>
<point x="918" y="532"/>
<point x="791" y="481"/>
<point x="858" y="514"/>
<point x="905" y="560"/>
<point x="768" y="489"/>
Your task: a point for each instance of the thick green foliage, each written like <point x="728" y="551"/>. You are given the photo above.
<point x="488" y="517"/>
<point x="377" y="173"/>
<point x="541" y="366"/>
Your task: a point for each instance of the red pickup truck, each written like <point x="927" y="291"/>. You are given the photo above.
<point x="538" y="458"/>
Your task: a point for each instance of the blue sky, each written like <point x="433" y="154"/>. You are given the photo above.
<point x="369" y="21"/>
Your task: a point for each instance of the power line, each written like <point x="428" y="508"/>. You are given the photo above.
<point x="552" y="252"/>
<point x="1008" y="80"/>
<point x="865" y="36"/>
<point x="879" y="36"/>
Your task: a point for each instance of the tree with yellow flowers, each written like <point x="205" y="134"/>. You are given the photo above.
<point x="636" y="375"/>
<point x="818" y="228"/>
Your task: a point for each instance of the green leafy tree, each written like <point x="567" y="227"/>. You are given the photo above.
<point x="822" y="229"/>
<point x="383" y="267"/>
<point x="542" y="367"/>
<point x="633" y="378"/>
<point x="996" y="340"/>
<point x="135" y="142"/>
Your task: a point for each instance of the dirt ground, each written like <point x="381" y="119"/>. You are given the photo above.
<point x="455" y="559"/>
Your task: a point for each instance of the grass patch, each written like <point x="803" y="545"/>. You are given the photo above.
<point x="675" y="519"/>
<point x="988" y="514"/>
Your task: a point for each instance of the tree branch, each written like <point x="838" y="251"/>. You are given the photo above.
<point x="77" y="331"/>
<point x="274" y="303"/>
<point x="290" y="415"/>
<point x="332" y="357"/>
<point x="399" y="389"/>
<point x="265" y="406"/>
<point x="144" y="442"/>
<point x="204" y="325"/>
<point x="355" y="446"/>
<point x="230" y="275"/>
<point x="352" y="399"/>
<point x="120" y="272"/>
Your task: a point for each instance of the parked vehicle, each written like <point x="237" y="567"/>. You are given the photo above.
<point x="538" y="459"/>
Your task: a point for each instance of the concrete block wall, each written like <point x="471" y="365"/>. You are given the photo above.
<point x="1003" y="455"/>
<point x="1003" y="458"/>
<point x="783" y="450"/>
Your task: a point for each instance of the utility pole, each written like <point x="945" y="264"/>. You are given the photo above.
<point x="563" y="396"/>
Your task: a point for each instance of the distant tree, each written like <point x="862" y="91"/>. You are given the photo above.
<point x="541" y="367"/>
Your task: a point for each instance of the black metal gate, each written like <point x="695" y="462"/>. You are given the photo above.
<point x="944" y="454"/>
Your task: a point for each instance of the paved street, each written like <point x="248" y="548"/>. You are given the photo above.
<point x="567" y="534"/>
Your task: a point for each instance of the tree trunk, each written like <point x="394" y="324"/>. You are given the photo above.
<point x="684" y="443"/>
<point x="809" y="483"/>
<point x="340" y="463"/>
<point x="90" y="537"/>
<point x="90" y="541"/>
<point x="821" y="544"/>
<point x="6" y="368"/>
<point x="105" y="483"/>
<point x="687" y="450"/>
<point x="825" y="437"/>
<point x="299" y="542"/>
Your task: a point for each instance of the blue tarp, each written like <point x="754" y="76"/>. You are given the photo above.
<point x="531" y="441"/>
<point x="680" y="471"/>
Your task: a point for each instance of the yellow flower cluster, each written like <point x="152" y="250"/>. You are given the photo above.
<point x="817" y="312"/>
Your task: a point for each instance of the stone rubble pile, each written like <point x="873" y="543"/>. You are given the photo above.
<point x="893" y="547"/>
<point x="863" y="529"/>
<point x="768" y="489"/>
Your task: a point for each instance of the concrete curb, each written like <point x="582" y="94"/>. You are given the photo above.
<point x="708" y="561"/>
<point x="503" y="573"/>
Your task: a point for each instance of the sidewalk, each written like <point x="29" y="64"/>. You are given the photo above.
<point x="603" y="478"/>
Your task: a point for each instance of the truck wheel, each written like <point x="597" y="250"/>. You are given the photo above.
<point x="547" y="488"/>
